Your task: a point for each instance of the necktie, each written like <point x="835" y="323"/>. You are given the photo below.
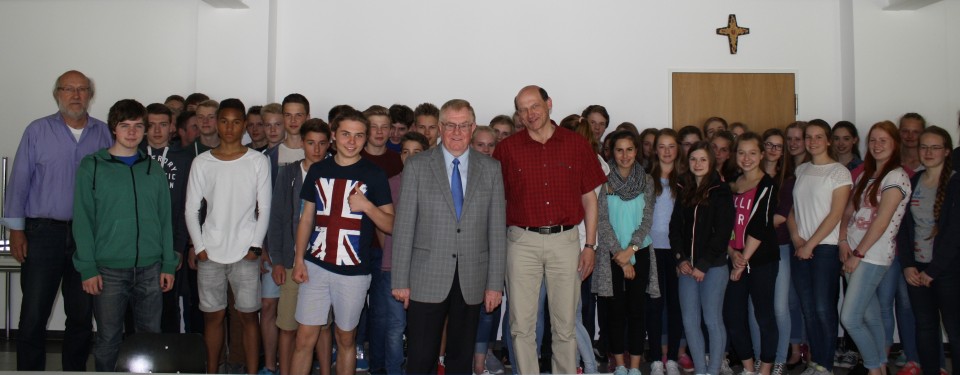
<point x="456" y="187"/>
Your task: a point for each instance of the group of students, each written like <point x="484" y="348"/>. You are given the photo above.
<point x="750" y="235"/>
<point x="736" y="241"/>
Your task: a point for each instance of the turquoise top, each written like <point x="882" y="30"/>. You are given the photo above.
<point x="625" y="217"/>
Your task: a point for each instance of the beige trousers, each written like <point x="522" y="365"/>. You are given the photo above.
<point x="531" y="257"/>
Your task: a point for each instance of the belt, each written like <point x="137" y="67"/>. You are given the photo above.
<point x="550" y="230"/>
<point x="49" y="221"/>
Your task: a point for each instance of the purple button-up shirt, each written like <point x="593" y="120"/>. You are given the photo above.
<point x="42" y="181"/>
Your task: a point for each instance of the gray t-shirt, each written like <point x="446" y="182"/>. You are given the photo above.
<point x="921" y="206"/>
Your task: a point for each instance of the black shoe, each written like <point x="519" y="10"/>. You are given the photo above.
<point x="858" y="369"/>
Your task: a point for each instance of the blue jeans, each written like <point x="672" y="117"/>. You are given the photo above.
<point x="584" y="343"/>
<point x="505" y="335"/>
<point x="860" y="313"/>
<point x="49" y="260"/>
<point x="487" y="328"/>
<point x="705" y="298"/>
<point x="893" y="289"/>
<point x="138" y="287"/>
<point x="817" y="282"/>
<point x="389" y="320"/>
<point x="783" y="310"/>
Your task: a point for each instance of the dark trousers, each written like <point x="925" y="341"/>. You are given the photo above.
<point x="930" y="304"/>
<point x="669" y="300"/>
<point x="425" y="328"/>
<point x="626" y="306"/>
<point x="50" y="249"/>
<point x="759" y="286"/>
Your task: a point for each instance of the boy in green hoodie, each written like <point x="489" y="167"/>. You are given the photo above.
<point x="123" y="232"/>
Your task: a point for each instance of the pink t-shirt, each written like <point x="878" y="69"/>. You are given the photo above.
<point x="743" y="203"/>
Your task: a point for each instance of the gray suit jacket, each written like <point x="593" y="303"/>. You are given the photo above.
<point x="428" y="242"/>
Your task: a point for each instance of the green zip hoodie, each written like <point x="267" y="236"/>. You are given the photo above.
<point x="121" y="215"/>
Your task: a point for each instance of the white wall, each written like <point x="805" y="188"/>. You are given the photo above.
<point x="618" y="53"/>
<point x="615" y="53"/>
<point x="907" y="61"/>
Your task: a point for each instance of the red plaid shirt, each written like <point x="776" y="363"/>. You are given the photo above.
<point x="544" y="183"/>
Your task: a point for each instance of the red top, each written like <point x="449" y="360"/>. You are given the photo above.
<point x="543" y="183"/>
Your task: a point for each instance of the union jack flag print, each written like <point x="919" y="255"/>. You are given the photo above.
<point x="336" y="235"/>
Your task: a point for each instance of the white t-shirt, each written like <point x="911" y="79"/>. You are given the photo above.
<point x="813" y="195"/>
<point x="882" y="251"/>
<point x="76" y="133"/>
<point x="234" y="190"/>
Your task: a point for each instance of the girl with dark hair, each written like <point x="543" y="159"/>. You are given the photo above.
<point x="667" y="167"/>
<point x="786" y="303"/>
<point x="624" y="238"/>
<point x="927" y="243"/>
<point x="688" y="136"/>
<point x="754" y="257"/>
<point x="700" y="228"/>
<point x="846" y="144"/>
<point x="647" y="141"/>
<point x="722" y="143"/>
<point x="821" y="192"/>
<point x="868" y="241"/>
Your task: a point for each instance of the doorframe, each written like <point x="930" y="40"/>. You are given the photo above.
<point x="670" y="71"/>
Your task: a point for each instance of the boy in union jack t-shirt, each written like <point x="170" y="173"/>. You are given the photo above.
<point x="349" y="198"/>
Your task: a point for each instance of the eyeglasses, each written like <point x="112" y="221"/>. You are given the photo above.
<point x="74" y="90"/>
<point x="461" y="127"/>
<point x="772" y="146"/>
<point x="925" y="148"/>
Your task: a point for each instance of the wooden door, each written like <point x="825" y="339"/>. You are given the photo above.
<point x="759" y="100"/>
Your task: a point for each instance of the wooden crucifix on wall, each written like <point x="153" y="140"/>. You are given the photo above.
<point x="733" y="31"/>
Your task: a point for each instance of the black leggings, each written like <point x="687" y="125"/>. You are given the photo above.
<point x="759" y="286"/>
<point x="625" y="308"/>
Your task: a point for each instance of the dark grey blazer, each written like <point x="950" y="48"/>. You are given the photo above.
<point x="429" y="243"/>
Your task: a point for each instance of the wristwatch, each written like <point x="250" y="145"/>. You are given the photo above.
<point x="635" y="248"/>
<point x="256" y="250"/>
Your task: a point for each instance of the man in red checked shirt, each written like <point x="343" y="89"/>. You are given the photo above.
<point x="549" y="174"/>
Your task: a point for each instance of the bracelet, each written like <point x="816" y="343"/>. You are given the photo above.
<point x="842" y="241"/>
<point x="857" y="254"/>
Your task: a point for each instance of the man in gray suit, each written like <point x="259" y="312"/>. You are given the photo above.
<point x="449" y="244"/>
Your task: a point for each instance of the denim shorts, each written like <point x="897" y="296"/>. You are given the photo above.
<point x="268" y="288"/>
<point x="243" y="276"/>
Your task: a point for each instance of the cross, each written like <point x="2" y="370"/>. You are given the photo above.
<point x="732" y="31"/>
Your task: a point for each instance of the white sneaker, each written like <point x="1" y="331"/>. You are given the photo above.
<point x="656" y="368"/>
<point x="673" y="368"/>
<point x="725" y="367"/>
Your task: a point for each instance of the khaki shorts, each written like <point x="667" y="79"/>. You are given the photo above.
<point x="287" y="307"/>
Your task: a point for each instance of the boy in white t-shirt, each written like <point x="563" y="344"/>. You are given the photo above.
<point x="235" y="182"/>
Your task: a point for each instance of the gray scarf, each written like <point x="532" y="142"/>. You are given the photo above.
<point x="628" y="188"/>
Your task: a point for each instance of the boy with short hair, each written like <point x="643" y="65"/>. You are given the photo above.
<point x="235" y="182"/>
<point x="176" y="164"/>
<point x="347" y="198"/>
<point x="376" y="148"/>
<point x="207" y="122"/>
<point x="272" y="115"/>
<point x="123" y="231"/>
<point x="284" y="218"/>
<point x="401" y="119"/>
<point x="427" y="122"/>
